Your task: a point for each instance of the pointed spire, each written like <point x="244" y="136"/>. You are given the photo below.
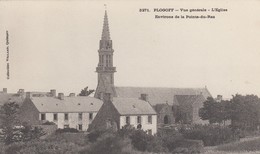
<point x="105" y="32"/>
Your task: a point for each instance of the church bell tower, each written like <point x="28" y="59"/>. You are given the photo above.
<point x="105" y="68"/>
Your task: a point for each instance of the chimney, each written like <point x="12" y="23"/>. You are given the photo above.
<point x="72" y="95"/>
<point x="61" y="96"/>
<point x="4" y="90"/>
<point x="144" y="97"/>
<point x="107" y="97"/>
<point x="219" y="98"/>
<point x="28" y="95"/>
<point x="53" y="92"/>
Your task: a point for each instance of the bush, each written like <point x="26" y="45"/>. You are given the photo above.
<point x="48" y="123"/>
<point x="67" y="130"/>
<point x="211" y="135"/>
<point x="76" y="138"/>
<point x="191" y="146"/>
<point x="94" y="135"/>
<point x="141" y="140"/>
<point x="170" y="138"/>
<point x="43" y="147"/>
<point x="109" y="143"/>
<point x="138" y="139"/>
<point x="144" y="142"/>
<point x="31" y="133"/>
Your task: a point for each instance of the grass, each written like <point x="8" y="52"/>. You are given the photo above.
<point x="241" y="152"/>
<point x="246" y="146"/>
<point x="251" y="145"/>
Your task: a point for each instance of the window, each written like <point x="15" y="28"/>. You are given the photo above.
<point x="149" y="131"/>
<point x="109" y="60"/>
<point x="106" y="60"/>
<point x="80" y="116"/>
<point x="80" y="126"/>
<point x="43" y="116"/>
<point x="127" y="120"/>
<point x="66" y="116"/>
<point x="90" y="116"/>
<point x="55" y="117"/>
<point x="149" y="119"/>
<point x="66" y="126"/>
<point x="139" y="120"/>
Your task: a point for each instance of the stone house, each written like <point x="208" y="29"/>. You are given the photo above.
<point x="188" y="109"/>
<point x="165" y="114"/>
<point x="118" y="112"/>
<point x="66" y="112"/>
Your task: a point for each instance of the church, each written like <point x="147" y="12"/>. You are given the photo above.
<point x="173" y="105"/>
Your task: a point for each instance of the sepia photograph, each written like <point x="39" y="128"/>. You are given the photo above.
<point x="130" y="77"/>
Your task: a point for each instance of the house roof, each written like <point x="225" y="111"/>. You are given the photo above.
<point x="189" y="99"/>
<point x="160" y="95"/>
<point x="132" y="106"/>
<point x="68" y="104"/>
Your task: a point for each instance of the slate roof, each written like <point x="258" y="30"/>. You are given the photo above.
<point x="189" y="99"/>
<point x="69" y="104"/>
<point x="160" y="95"/>
<point x="132" y="106"/>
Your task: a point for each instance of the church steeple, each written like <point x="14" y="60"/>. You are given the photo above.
<point x="105" y="68"/>
<point x="105" y="32"/>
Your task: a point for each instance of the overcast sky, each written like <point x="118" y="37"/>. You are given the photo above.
<point x="54" y="45"/>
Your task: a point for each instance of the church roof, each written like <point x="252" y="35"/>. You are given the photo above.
<point x="189" y="99"/>
<point x="160" y="95"/>
<point x="105" y="32"/>
<point x="68" y="104"/>
<point x="132" y="106"/>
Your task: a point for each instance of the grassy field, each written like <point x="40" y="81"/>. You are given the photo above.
<point x="245" y="146"/>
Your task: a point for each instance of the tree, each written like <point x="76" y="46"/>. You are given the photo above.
<point x="30" y="133"/>
<point x="9" y="118"/>
<point x="86" y="92"/>
<point x="215" y="112"/>
<point x="245" y="112"/>
<point x="13" y="130"/>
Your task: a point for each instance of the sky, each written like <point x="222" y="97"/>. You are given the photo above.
<point x="54" y="45"/>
